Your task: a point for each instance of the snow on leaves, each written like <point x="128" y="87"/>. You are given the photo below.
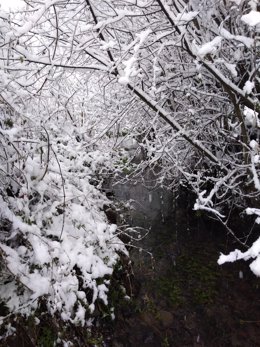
<point x="252" y="19"/>
<point x="209" y="47"/>
<point x="57" y="232"/>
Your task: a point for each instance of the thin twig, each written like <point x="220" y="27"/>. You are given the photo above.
<point x="64" y="193"/>
<point x="48" y="154"/>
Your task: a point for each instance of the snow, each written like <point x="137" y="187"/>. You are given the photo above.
<point x="252" y="252"/>
<point x="129" y="144"/>
<point x="45" y="266"/>
<point x="231" y="257"/>
<point x="11" y="4"/>
<point x="228" y="82"/>
<point x="38" y="284"/>
<point x="108" y="45"/>
<point x="247" y="41"/>
<point x="253" y="4"/>
<point x="251" y="118"/>
<point x="183" y="18"/>
<point x="248" y="87"/>
<point x="252" y="18"/>
<point x="255" y="266"/>
<point x="251" y="211"/>
<point x="42" y="253"/>
<point x="209" y="47"/>
<point x="130" y="69"/>
<point x="254" y="145"/>
<point x="11" y="133"/>
<point x="206" y="203"/>
<point x="34" y="19"/>
<point x="120" y="15"/>
<point x="231" y="68"/>
<point x="80" y="315"/>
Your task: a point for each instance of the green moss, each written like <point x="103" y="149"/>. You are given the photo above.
<point x="169" y="288"/>
<point x="47" y="337"/>
<point x="201" y="277"/>
<point x="191" y="280"/>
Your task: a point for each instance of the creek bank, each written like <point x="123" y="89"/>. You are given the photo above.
<point x="184" y="298"/>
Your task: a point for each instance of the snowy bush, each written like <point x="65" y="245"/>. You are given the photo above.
<point x="57" y="246"/>
<point x="56" y="243"/>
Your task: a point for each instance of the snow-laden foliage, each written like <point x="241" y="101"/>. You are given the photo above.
<point x="56" y="242"/>
<point x="57" y="246"/>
